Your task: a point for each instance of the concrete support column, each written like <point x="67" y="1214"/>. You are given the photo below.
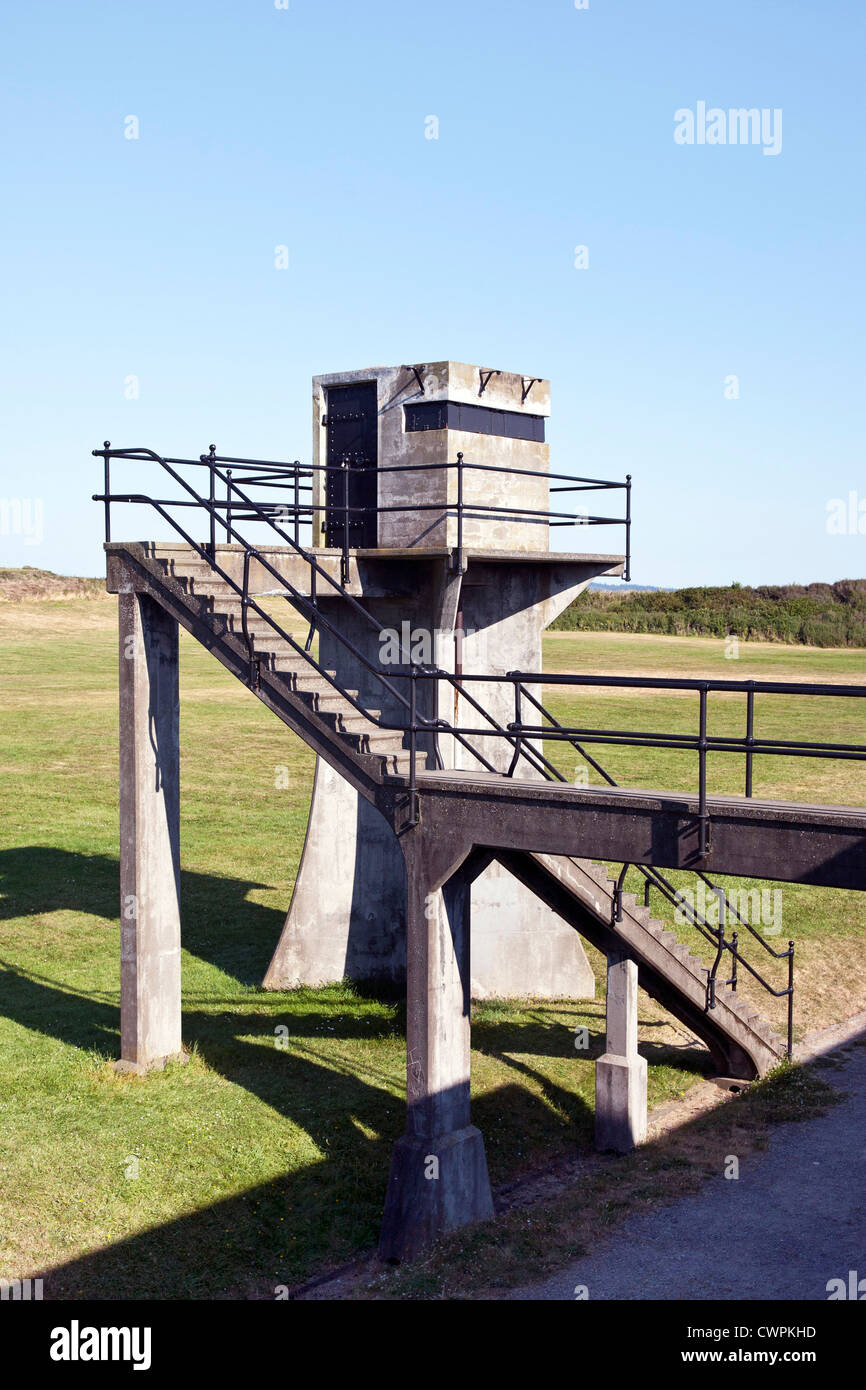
<point x="438" y="1180"/>
<point x="150" y="1009"/>
<point x="621" y="1074"/>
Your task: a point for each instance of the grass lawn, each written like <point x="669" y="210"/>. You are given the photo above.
<point x="256" y="1164"/>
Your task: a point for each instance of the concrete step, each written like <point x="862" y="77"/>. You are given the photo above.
<point x="374" y="737"/>
<point x="204" y="586"/>
<point x="301" y="673"/>
<point x="397" y="764"/>
<point x="303" y="684"/>
<point x="231" y="602"/>
<point x="205" y="583"/>
<point x="324" y="697"/>
<point x="289" y="660"/>
<point x="350" y="717"/>
<point x="257" y="627"/>
<point x="348" y="720"/>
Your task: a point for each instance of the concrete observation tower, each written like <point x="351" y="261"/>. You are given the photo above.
<point x="447" y="845"/>
<point x="432" y="481"/>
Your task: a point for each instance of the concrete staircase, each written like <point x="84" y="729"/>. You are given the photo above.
<point x="741" y="1041"/>
<point x="215" y="602"/>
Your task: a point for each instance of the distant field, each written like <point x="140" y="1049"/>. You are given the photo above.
<point x="258" y="1166"/>
<point x="829" y="719"/>
<point x="27" y="582"/>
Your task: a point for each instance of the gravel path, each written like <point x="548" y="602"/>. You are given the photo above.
<point x="794" y="1219"/>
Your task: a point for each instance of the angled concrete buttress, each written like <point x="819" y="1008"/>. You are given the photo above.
<point x="150" y="1008"/>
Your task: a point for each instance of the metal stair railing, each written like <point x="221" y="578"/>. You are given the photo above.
<point x="416" y="723"/>
<point x="655" y="879"/>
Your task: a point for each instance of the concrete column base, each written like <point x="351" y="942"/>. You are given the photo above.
<point x="421" y="1206"/>
<point x="620" y="1102"/>
<point x="124" y="1067"/>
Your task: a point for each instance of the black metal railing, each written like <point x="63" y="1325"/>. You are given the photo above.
<point x="653" y="878"/>
<point x="226" y="511"/>
<point x="702" y="742"/>
<point x="297" y="509"/>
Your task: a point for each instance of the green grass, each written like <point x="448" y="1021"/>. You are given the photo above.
<point x="257" y="1165"/>
<point x="623" y="654"/>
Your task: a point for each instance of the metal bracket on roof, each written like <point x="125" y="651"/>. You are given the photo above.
<point x="417" y="372"/>
<point x="485" y="377"/>
<point x="527" y="384"/>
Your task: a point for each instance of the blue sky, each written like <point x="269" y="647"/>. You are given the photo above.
<point x="305" y="127"/>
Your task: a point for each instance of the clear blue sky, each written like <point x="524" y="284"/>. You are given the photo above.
<point x="306" y="127"/>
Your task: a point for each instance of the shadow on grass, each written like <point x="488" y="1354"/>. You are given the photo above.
<point x="329" y="1211"/>
<point x="220" y="925"/>
<point x="274" y="1233"/>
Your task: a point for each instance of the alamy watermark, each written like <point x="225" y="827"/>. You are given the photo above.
<point x="846" y="516"/>
<point x="759" y="907"/>
<point x="409" y="645"/>
<point x="22" y="516"/>
<point x="853" y="1289"/>
<point x="21" y="1290"/>
<point x="737" y="126"/>
<point x="77" y="1343"/>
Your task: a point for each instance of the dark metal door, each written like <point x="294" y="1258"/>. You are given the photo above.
<point x="351" y="460"/>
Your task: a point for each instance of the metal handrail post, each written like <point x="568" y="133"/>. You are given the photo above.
<point x="790" y="1000"/>
<point x="212" y="498"/>
<point x="413" y="745"/>
<point x="703" y="817"/>
<point x="518" y="722"/>
<point x="344" y="558"/>
<point x="106" y="444"/>
<point x="616" y="914"/>
<point x="750" y="738"/>
<point x="461" y="568"/>
<point x="627" y="573"/>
